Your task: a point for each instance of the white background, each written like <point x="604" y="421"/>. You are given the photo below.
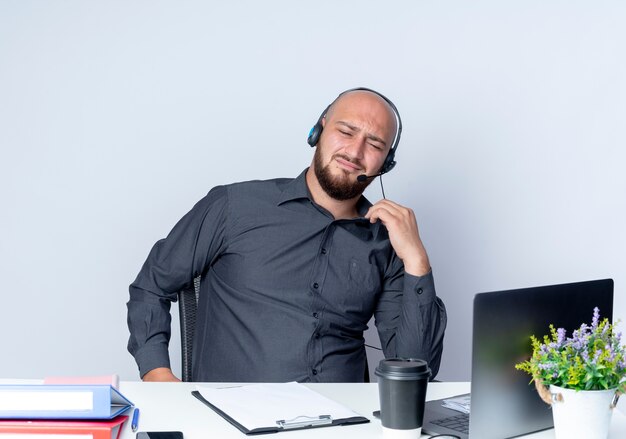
<point x="117" y="116"/>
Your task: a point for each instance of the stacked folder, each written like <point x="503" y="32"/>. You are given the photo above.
<point x="76" y="409"/>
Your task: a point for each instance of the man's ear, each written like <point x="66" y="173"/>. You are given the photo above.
<point x="323" y="121"/>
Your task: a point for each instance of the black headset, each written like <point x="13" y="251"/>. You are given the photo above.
<point x="316" y="131"/>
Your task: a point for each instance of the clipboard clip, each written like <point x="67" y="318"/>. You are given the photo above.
<point x="305" y="421"/>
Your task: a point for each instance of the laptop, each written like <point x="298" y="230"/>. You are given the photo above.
<point x="503" y="404"/>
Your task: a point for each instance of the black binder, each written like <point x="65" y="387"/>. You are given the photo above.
<point x="297" y="423"/>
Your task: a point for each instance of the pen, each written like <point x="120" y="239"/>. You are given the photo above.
<point x="135" y="422"/>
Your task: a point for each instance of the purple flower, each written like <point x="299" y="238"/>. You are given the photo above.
<point x="560" y="336"/>
<point x="585" y="356"/>
<point x="605" y="328"/>
<point x="612" y="355"/>
<point x="577" y="343"/>
<point x="543" y="350"/>
<point x="596" y="318"/>
<point x="596" y="356"/>
<point x="617" y="342"/>
<point x="583" y="329"/>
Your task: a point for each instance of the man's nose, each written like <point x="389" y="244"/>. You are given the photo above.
<point x="356" y="147"/>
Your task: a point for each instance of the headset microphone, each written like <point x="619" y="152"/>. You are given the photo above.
<point x="364" y="177"/>
<point x="361" y="178"/>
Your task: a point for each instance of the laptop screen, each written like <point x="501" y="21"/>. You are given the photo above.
<point x="503" y="403"/>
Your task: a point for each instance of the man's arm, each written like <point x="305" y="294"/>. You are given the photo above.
<point x="410" y="318"/>
<point x="173" y="263"/>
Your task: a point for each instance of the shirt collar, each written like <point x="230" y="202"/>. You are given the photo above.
<point x="298" y="189"/>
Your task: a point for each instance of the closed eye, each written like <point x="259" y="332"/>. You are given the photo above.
<point x="348" y="130"/>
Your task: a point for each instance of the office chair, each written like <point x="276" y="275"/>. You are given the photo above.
<point x="187" y="310"/>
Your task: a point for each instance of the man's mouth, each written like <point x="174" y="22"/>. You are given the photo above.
<point x="345" y="163"/>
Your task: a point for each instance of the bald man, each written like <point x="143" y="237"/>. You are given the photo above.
<point x="293" y="269"/>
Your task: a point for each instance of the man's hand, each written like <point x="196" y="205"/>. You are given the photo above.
<point x="160" y="374"/>
<point x="403" y="234"/>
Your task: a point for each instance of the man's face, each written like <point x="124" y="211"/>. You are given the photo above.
<point x="358" y="131"/>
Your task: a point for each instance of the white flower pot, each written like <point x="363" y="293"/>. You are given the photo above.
<point x="582" y="414"/>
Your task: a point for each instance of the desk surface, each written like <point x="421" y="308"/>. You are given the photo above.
<point x="170" y="406"/>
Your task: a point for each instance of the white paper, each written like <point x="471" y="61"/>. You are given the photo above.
<point x="262" y="405"/>
<point x="27" y="400"/>
<point x="460" y="404"/>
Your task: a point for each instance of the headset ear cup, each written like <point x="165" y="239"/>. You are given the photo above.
<point x="389" y="164"/>
<point x="314" y="134"/>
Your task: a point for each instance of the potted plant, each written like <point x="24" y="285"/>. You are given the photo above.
<point x="580" y="376"/>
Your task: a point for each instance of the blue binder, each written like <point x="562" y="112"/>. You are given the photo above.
<point x="48" y="401"/>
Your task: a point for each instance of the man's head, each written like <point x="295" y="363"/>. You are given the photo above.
<point x="358" y="131"/>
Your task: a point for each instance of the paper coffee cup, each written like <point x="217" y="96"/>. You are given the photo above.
<point x="402" y="391"/>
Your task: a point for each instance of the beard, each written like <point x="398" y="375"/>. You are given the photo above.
<point x="341" y="188"/>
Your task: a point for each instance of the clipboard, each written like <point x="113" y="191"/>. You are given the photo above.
<point x="272" y="408"/>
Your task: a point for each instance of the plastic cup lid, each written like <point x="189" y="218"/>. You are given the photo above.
<point x="403" y="369"/>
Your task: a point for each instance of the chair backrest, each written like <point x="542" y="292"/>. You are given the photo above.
<point x="187" y="310"/>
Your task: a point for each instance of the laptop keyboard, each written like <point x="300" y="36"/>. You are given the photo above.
<point x="458" y="422"/>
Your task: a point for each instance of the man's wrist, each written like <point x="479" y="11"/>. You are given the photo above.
<point x="416" y="263"/>
<point x="417" y="267"/>
<point x="160" y="374"/>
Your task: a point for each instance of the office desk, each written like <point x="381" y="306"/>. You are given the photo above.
<point x="170" y="406"/>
